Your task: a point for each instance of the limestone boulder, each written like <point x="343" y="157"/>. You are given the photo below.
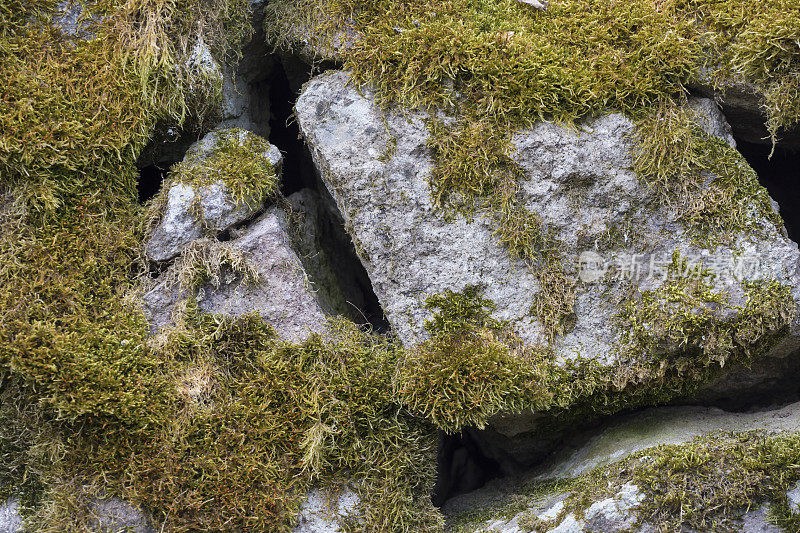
<point x="580" y="181"/>
<point x="594" y="450"/>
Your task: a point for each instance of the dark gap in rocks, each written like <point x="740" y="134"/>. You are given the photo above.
<point x="461" y="465"/>
<point x="288" y="77"/>
<point x="780" y="175"/>
<point x="150" y="179"/>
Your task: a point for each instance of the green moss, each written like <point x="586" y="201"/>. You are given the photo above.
<point x="500" y="66"/>
<point x="674" y="339"/>
<point x="706" y="484"/>
<point x="709" y="185"/>
<point x="686" y="316"/>
<point x="239" y="160"/>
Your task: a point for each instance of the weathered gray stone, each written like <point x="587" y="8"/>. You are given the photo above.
<point x="322" y="511"/>
<point x="579" y="181"/>
<point x="10" y="519"/>
<point x="744" y="106"/>
<point x="283" y="297"/>
<point x="113" y="514"/>
<point x="324" y="247"/>
<point x="793" y="495"/>
<point x="282" y="294"/>
<point x="610" y="443"/>
<point x="190" y="210"/>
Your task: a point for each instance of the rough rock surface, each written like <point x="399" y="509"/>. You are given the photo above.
<point x="324" y="248"/>
<point x="610" y="443"/>
<point x="584" y="183"/>
<point x="743" y="105"/>
<point x="10" y="519"/>
<point x="578" y="180"/>
<point x="113" y="514"/>
<point x="110" y="514"/>
<point x="323" y="512"/>
<point x="282" y="295"/>
<point x="180" y="223"/>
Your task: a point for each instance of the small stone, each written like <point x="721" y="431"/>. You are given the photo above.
<point x="793" y="495"/>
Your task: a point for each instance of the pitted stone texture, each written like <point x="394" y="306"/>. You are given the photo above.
<point x="793" y="496"/>
<point x="190" y="210"/>
<point x="282" y="295"/>
<point x="578" y="180"/>
<point x="322" y="512"/>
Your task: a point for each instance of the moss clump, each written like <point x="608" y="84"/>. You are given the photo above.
<point x="755" y="44"/>
<point x="706" y="484"/>
<point x="713" y="191"/>
<point x="239" y="160"/>
<point x="686" y="316"/>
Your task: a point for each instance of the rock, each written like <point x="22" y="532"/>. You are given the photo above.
<point x="322" y="511"/>
<point x="284" y="298"/>
<point x="594" y="450"/>
<point x="69" y="18"/>
<point x="246" y="90"/>
<point x="743" y="105"/>
<point x="793" y="495"/>
<point x="658" y="426"/>
<point x="578" y="180"/>
<point x="10" y="519"/>
<point x="113" y="514"/>
<point x="202" y="64"/>
<point x="614" y="514"/>
<point x="281" y="294"/>
<point x="189" y="209"/>
<point x="297" y="30"/>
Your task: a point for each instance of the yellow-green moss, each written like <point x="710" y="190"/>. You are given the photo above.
<point x="239" y="160"/>
<point x="712" y="189"/>
<point x="706" y="484"/>
<point x="673" y="339"/>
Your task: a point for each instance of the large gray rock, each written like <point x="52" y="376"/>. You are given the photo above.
<point x="190" y="210"/>
<point x="281" y="292"/>
<point x="595" y="449"/>
<point x="579" y="181"/>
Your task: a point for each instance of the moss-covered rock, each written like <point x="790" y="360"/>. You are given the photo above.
<point x="667" y="305"/>
<point x="682" y="467"/>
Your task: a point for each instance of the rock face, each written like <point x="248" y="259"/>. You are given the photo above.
<point x="283" y="295"/>
<point x="579" y="181"/>
<point x="10" y="519"/>
<point x="599" y="448"/>
<point x="192" y="209"/>
<point x="111" y="514"/>
<point x="281" y="292"/>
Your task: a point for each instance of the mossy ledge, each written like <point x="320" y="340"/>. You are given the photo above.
<point x="706" y="484"/>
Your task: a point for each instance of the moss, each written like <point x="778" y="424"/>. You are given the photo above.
<point x="686" y="316"/>
<point x="673" y="339"/>
<point x="501" y="66"/>
<point x="708" y="184"/>
<point x="706" y="484"/>
<point x="239" y="160"/>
